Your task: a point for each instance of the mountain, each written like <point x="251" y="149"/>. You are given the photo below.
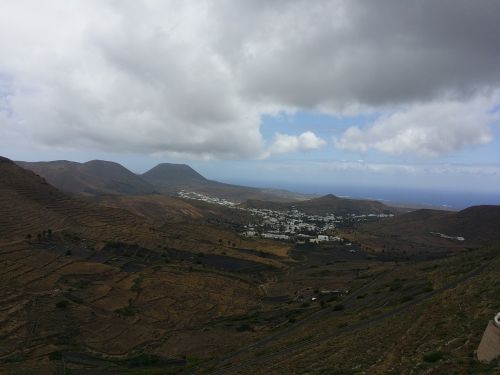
<point x="325" y="205"/>
<point x="428" y="231"/>
<point x="476" y="223"/>
<point x="170" y="178"/>
<point x="98" y="177"/>
<point x="171" y="175"/>
<point x="30" y="205"/>
<point x="91" y="178"/>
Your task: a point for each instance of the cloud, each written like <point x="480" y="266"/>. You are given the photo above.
<point x="183" y="78"/>
<point x="284" y="143"/>
<point x="427" y="130"/>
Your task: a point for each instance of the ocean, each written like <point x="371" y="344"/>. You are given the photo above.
<point x="426" y="197"/>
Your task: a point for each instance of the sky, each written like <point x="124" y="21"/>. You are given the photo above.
<point x="269" y="93"/>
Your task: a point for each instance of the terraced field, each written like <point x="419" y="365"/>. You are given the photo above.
<point x="89" y="289"/>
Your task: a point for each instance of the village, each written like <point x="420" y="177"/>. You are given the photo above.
<point x="289" y="225"/>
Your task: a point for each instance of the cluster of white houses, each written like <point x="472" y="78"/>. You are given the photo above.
<point x="294" y="225"/>
<point x="290" y="225"/>
<point x="206" y="198"/>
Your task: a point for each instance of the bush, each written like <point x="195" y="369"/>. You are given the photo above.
<point x="396" y="284"/>
<point x="244" y="327"/>
<point x="136" y="286"/>
<point x="55" y="356"/>
<point x="115" y="244"/>
<point x="433" y="357"/>
<point x="338" y="307"/>
<point x="62" y="304"/>
<point x="143" y="360"/>
<point x="125" y="311"/>
<point x="406" y="299"/>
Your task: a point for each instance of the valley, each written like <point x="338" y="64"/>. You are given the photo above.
<point x="108" y="283"/>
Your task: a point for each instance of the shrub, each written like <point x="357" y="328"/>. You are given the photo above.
<point x="114" y="244"/>
<point x="55" y="356"/>
<point x="338" y="307"/>
<point x="433" y="357"/>
<point x="244" y="327"/>
<point x="62" y="304"/>
<point x="137" y="282"/>
<point x="406" y="299"/>
<point x="125" y="311"/>
<point x="143" y="360"/>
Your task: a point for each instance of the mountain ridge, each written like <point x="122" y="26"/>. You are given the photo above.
<point x="101" y="177"/>
<point x="92" y="178"/>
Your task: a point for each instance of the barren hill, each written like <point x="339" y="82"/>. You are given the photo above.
<point x="430" y="231"/>
<point x="113" y="291"/>
<point x="327" y="204"/>
<point x="29" y="205"/>
<point x="477" y="223"/>
<point x="98" y="177"/>
<point x="170" y="178"/>
<point x="93" y="177"/>
<point x="171" y="175"/>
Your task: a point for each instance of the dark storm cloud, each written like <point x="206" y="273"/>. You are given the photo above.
<point x="372" y="53"/>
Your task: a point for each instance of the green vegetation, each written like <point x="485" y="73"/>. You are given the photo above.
<point x="136" y="286"/>
<point x="433" y="357"/>
<point x="125" y="311"/>
<point x="81" y="284"/>
<point x="115" y="244"/>
<point x="55" y="356"/>
<point x="62" y="304"/>
<point x="143" y="360"/>
<point x="244" y="327"/>
<point x="406" y="299"/>
<point x="395" y="285"/>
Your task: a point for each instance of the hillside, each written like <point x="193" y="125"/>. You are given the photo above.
<point x="170" y="178"/>
<point x="477" y="223"/>
<point x="172" y="175"/>
<point x="327" y="204"/>
<point x="173" y="209"/>
<point x="80" y="276"/>
<point x="132" y="288"/>
<point x="430" y="231"/>
<point x="91" y="178"/>
<point x="30" y="205"/>
<point x="98" y="177"/>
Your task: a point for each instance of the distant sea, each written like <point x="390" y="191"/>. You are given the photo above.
<point x="426" y="197"/>
<point x="415" y="197"/>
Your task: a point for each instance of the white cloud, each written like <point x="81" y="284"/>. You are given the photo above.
<point x="284" y="143"/>
<point x="182" y="77"/>
<point x="428" y="129"/>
